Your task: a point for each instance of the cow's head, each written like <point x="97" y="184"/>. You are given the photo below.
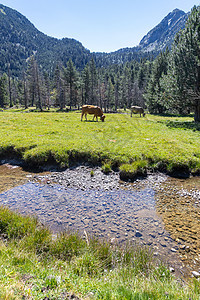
<point x="102" y="118"/>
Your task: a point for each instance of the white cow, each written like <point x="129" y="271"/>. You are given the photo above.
<point x="137" y="110"/>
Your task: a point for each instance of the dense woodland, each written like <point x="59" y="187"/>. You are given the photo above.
<point x="169" y="83"/>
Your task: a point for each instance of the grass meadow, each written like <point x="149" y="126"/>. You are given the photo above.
<point x="168" y="144"/>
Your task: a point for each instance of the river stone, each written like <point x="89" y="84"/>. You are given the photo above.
<point x="187" y="248"/>
<point x="138" y="234"/>
<point x="173" y="250"/>
<point x="196" y="274"/>
<point x="182" y="247"/>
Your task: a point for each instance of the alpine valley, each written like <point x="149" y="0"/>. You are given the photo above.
<point x="20" y="39"/>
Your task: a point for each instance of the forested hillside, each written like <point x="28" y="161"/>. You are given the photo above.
<point x="19" y="40"/>
<point x="174" y="85"/>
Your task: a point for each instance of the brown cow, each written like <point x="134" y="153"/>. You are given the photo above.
<point x="137" y="110"/>
<point x="92" y="110"/>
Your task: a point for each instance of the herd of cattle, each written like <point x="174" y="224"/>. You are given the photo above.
<point x="97" y="112"/>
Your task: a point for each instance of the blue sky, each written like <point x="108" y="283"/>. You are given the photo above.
<point x="101" y="25"/>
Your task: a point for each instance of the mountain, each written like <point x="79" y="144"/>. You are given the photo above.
<point x="163" y="34"/>
<point x="19" y="39"/>
<point x="156" y="40"/>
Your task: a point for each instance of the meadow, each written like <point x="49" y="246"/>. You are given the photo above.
<point x="133" y="145"/>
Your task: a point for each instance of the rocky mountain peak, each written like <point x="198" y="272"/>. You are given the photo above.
<point x="163" y="34"/>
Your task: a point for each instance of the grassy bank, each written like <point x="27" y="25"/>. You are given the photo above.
<point x="35" y="266"/>
<point x="134" y="145"/>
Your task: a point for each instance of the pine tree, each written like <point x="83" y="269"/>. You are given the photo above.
<point x="31" y="75"/>
<point x="57" y="85"/>
<point x="34" y="82"/>
<point x="110" y="94"/>
<point x="25" y="91"/>
<point x="184" y="71"/>
<point x="3" y="91"/>
<point x="47" y="90"/>
<point x="117" y="92"/>
<point x="93" y="83"/>
<point x="86" y="84"/>
<point x="153" y="92"/>
<point x="71" y="78"/>
<point x="10" y="86"/>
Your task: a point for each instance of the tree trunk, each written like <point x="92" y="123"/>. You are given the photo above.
<point x="197" y="111"/>
<point x="25" y="92"/>
<point x="9" y="86"/>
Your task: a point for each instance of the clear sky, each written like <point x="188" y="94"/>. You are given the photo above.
<point x="100" y="25"/>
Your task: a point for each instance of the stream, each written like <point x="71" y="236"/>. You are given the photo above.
<point x="160" y="212"/>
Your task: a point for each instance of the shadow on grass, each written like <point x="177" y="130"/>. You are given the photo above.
<point x="184" y="125"/>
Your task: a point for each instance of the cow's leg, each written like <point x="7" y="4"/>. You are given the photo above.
<point x="93" y="118"/>
<point x="131" y="113"/>
<point x="86" y="116"/>
<point x="82" y="116"/>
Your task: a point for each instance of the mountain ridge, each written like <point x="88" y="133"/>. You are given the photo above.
<point x="20" y="39"/>
<point x="164" y="31"/>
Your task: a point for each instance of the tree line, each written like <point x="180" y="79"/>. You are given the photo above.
<point x="170" y="83"/>
<point x="114" y="87"/>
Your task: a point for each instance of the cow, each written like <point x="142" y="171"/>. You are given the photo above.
<point x="92" y="110"/>
<point x="137" y="110"/>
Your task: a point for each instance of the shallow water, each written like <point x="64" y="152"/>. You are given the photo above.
<point x="143" y="214"/>
<point x="178" y="203"/>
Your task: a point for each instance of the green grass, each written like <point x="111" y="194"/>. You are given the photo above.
<point x="34" y="266"/>
<point x="40" y="138"/>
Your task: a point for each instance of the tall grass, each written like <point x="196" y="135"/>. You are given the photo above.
<point x="74" y="265"/>
<point x="41" y="138"/>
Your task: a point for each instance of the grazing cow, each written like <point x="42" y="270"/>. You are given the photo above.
<point x="92" y="110"/>
<point x="137" y="110"/>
